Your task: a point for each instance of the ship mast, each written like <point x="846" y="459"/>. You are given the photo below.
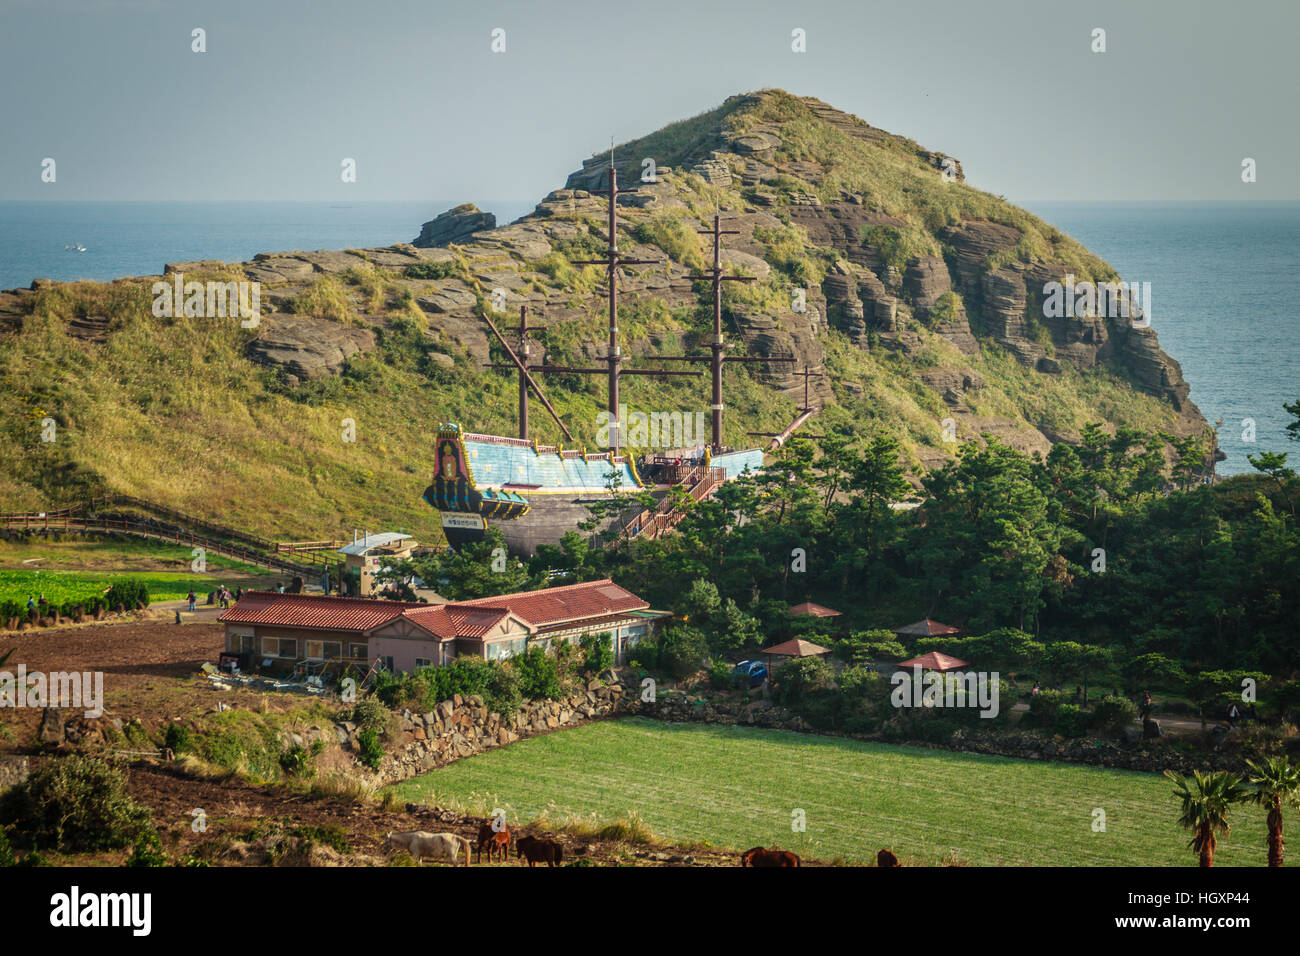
<point x="613" y="259"/>
<point x="717" y="345"/>
<point x="613" y="357"/>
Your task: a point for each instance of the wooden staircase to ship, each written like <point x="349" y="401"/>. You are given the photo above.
<point x="698" y="482"/>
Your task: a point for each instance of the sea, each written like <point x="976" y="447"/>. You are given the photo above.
<point x="1224" y="276"/>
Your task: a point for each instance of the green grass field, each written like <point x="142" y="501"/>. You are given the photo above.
<point x="77" y="568"/>
<point x="60" y="587"/>
<point x="738" y="787"/>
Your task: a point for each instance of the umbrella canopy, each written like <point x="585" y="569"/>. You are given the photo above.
<point x="926" y="628"/>
<point x="813" y="610"/>
<point x="934" y="661"/>
<point x="797" y="647"/>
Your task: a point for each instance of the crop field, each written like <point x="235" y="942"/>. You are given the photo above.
<point x="60" y="587"/>
<point x="121" y="554"/>
<point x="77" y="568"/>
<point x="739" y="787"/>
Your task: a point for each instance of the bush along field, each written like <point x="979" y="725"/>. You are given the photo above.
<point x="72" y="597"/>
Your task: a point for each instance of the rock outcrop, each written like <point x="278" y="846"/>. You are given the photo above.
<point x="307" y="347"/>
<point x="454" y="225"/>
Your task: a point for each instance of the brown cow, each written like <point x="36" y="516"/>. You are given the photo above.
<point x="761" y="856"/>
<point x="493" y="840"/>
<point x="887" y="858"/>
<point x="534" y="850"/>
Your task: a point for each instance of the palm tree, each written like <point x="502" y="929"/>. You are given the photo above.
<point x="1206" y="798"/>
<point x="1277" y="783"/>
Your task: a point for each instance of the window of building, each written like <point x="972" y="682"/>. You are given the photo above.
<point x="500" y="650"/>
<point x="315" y="650"/>
<point x="422" y="662"/>
<point x="279" y="647"/>
<point x="333" y="650"/>
<point x="359" y="651"/>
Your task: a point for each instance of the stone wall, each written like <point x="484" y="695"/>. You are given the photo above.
<point x="463" y="726"/>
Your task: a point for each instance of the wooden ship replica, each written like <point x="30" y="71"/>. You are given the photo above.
<point x="535" y="493"/>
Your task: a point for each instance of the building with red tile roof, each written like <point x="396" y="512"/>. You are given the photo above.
<point x="266" y="627"/>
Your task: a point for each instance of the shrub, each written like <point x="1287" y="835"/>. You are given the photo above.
<point x="539" y="674"/>
<point x="148" y="851"/>
<point x="128" y="593"/>
<point x="504" y="693"/>
<point x="178" y="739"/>
<point x="801" y="676"/>
<point x="1113" y="714"/>
<point x="431" y="270"/>
<point x="862" y="646"/>
<point x="1042" y="708"/>
<point x="599" y="652"/>
<point x="672" y="236"/>
<point x="371" y="750"/>
<point x="1071" y="720"/>
<point x="368" y="713"/>
<point x="332" y="836"/>
<point x="720" y="675"/>
<point x="297" y="762"/>
<point x="6" y="851"/>
<point x="682" y="650"/>
<point x="75" y="803"/>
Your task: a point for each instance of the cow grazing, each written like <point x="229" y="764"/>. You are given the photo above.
<point x="435" y="846"/>
<point x="761" y="856"/>
<point x="887" y="858"/>
<point x="539" y="851"/>
<point x="492" y="840"/>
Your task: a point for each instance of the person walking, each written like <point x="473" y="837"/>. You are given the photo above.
<point x="193" y="599"/>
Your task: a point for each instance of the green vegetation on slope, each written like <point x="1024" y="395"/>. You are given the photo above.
<point x="172" y="409"/>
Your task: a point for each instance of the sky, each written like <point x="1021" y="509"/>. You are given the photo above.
<point x="113" y="92"/>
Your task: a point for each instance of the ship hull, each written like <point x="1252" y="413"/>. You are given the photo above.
<point x="547" y="520"/>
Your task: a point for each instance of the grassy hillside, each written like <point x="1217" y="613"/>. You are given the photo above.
<point x="738" y="787"/>
<point x="172" y="409"/>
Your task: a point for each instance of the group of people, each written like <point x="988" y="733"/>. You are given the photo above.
<point x="221" y="595"/>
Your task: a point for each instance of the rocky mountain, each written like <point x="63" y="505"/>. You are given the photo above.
<point x="918" y="297"/>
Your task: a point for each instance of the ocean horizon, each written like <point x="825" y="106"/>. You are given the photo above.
<point x="1223" y="274"/>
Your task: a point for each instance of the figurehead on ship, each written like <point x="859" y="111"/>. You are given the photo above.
<point x="450" y="471"/>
